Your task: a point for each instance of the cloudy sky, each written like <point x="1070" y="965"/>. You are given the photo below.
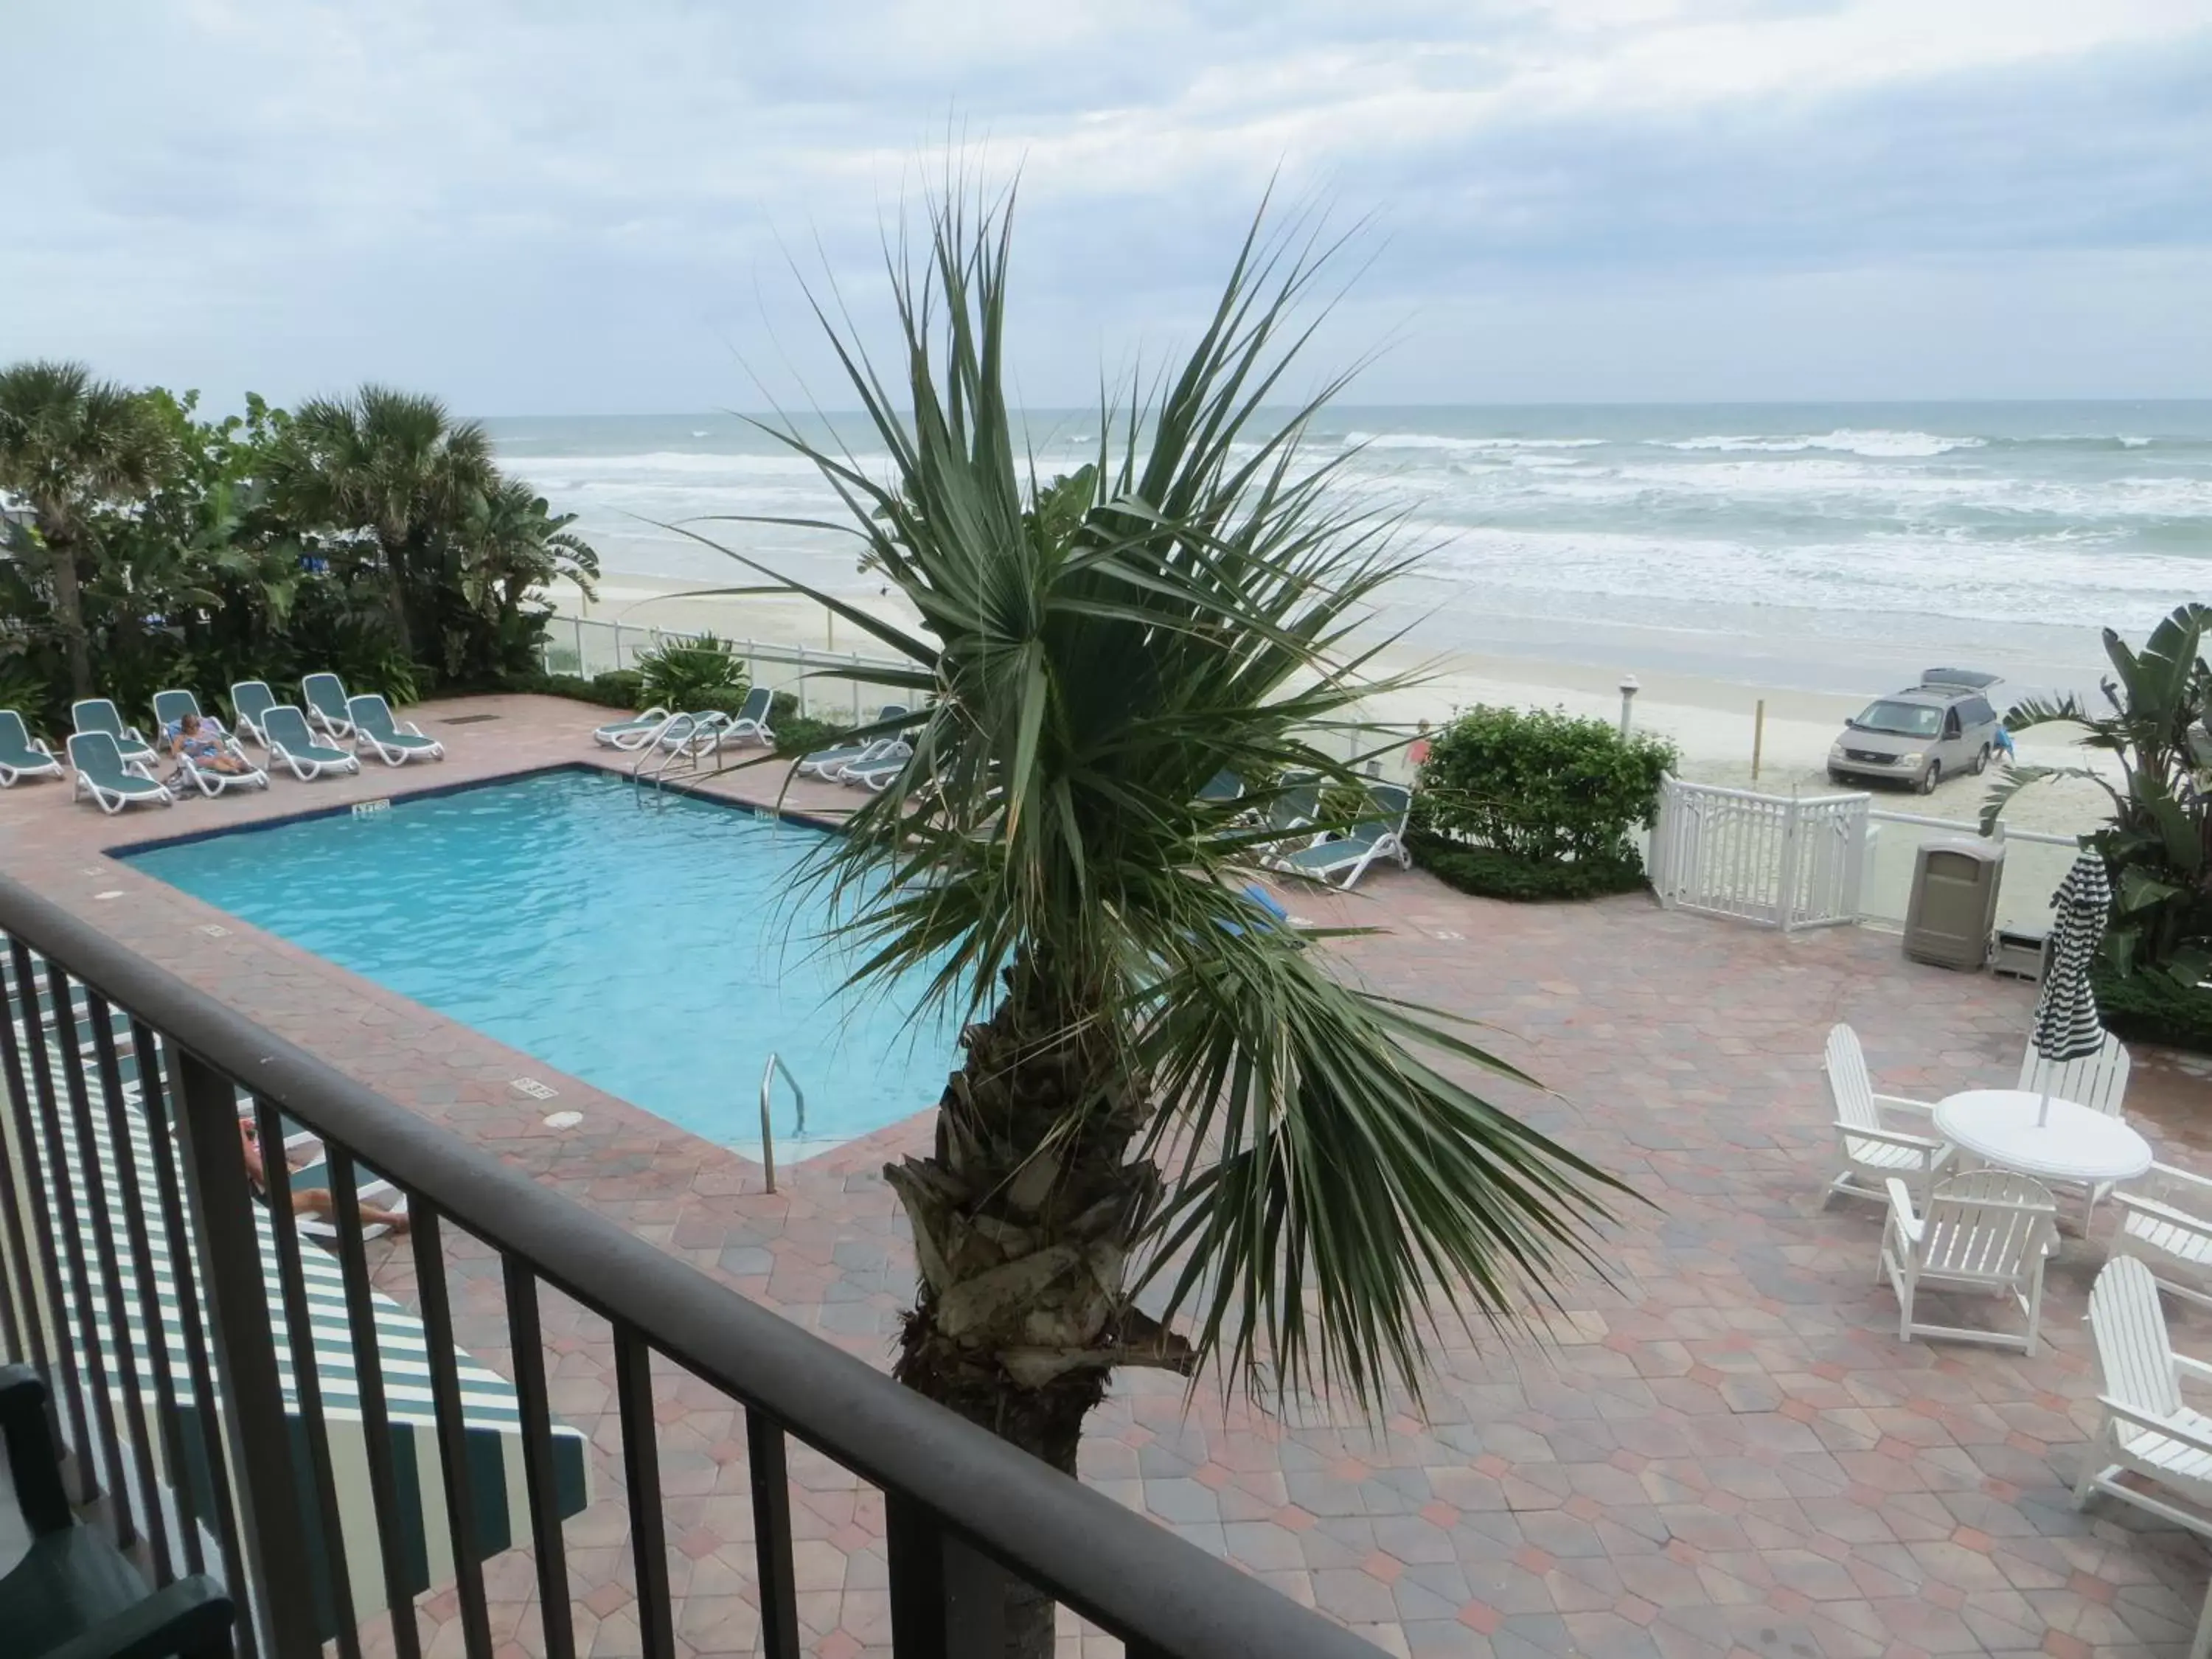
<point x="570" y="206"/>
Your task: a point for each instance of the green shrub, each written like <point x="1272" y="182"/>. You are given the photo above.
<point x="1543" y="786"/>
<point x="692" y="675"/>
<point x="619" y="688"/>
<point x="1494" y="874"/>
<point x="2153" y="1006"/>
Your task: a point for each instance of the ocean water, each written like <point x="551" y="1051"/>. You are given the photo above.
<point x="1826" y="546"/>
<point x="662" y="951"/>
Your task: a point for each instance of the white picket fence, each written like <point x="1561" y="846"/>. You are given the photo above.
<point x="1780" y="861"/>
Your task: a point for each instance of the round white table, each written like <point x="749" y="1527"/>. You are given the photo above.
<point x="2074" y="1142"/>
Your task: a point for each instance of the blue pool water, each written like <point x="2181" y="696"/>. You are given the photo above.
<point x="659" y="951"/>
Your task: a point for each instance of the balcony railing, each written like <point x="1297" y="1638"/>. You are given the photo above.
<point x="239" y="1403"/>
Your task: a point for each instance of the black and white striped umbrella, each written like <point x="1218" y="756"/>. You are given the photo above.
<point x="2066" y="1023"/>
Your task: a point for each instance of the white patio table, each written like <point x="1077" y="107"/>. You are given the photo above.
<point x="2074" y="1142"/>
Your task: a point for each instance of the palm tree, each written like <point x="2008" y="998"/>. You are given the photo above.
<point x="395" y="466"/>
<point x="1160" y="1086"/>
<point x="72" y="447"/>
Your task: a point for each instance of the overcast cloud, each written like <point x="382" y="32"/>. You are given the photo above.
<point x="583" y="207"/>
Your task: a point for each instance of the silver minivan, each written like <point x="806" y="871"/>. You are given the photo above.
<point x="1939" y="728"/>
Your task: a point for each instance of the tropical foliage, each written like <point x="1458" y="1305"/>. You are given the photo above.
<point x="1160" y="1087"/>
<point x="688" y="673"/>
<point x="151" y="546"/>
<point x="2159" y="841"/>
<point x="1537" y="803"/>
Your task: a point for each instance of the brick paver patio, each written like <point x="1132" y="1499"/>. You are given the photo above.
<point x="1724" y="1452"/>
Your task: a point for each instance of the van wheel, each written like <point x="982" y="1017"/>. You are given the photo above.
<point x="1982" y="761"/>
<point x="1930" y="778"/>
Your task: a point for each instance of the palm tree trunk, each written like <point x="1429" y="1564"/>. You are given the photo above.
<point x="68" y="617"/>
<point x="1023" y="1216"/>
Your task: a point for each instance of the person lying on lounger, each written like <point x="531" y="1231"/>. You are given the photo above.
<point x="310" y="1201"/>
<point x="208" y="752"/>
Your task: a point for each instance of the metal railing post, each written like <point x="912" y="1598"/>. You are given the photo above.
<point x="269" y="1521"/>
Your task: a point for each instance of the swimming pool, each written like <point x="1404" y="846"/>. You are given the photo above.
<point x="660" y="951"/>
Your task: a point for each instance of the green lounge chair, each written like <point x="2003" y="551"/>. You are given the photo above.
<point x="292" y="743"/>
<point x="396" y="742"/>
<point x="249" y="701"/>
<point x="877" y="773"/>
<point x="102" y="772"/>
<point x="170" y="709"/>
<point x="100" y="714"/>
<point x="1348" y="855"/>
<point x="1222" y="787"/>
<point x="750" y="724"/>
<point x="22" y="754"/>
<point x="327" y="707"/>
<point x="831" y="763"/>
<point x="638" y="732"/>
<point x="73" y="1592"/>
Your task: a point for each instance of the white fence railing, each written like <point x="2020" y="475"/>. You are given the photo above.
<point x="1781" y="861"/>
<point x="828" y="685"/>
<point x="1791" y="862"/>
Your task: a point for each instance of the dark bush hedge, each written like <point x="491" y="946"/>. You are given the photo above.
<point x="1494" y="874"/>
<point x="2151" y="1006"/>
<point x="1534" y="805"/>
<point x="617" y="689"/>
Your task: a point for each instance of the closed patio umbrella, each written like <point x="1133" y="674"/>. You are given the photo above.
<point x="2066" y="1023"/>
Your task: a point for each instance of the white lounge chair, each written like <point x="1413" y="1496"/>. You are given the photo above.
<point x="96" y="761"/>
<point x="22" y="754"/>
<point x="1348" y="855"/>
<point x="324" y="695"/>
<point x="636" y="732"/>
<point x="100" y="714"/>
<point x="878" y="770"/>
<point x="2148" y="1430"/>
<point x="171" y="709"/>
<point x="249" y="701"/>
<point x="293" y="744"/>
<point x="831" y="763"/>
<point x="396" y="742"/>
<point x="1870" y="1151"/>
<point x="750" y="724"/>
<point x="1987" y="1230"/>
<point x="2166" y="1221"/>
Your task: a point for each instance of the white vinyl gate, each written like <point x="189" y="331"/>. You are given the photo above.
<point x="1779" y="861"/>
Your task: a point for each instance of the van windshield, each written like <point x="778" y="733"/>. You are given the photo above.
<point x="1903" y="720"/>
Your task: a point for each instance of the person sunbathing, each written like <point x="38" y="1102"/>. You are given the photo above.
<point x="310" y="1201"/>
<point x="198" y="738"/>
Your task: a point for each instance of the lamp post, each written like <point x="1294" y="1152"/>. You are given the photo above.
<point x="1629" y="688"/>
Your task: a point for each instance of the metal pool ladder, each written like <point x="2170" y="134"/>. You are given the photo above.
<point x="768" y="1135"/>
<point x="685" y="753"/>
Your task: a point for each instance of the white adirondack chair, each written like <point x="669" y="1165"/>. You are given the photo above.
<point x="2166" y="1221"/>
<point x="1870" y="1151"/>
<point x="1987" y="1230"/>
<point x="2098" y="1081"/>
<point x="2147" y="1431"/>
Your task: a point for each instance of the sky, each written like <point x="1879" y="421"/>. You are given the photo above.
<point x="574" y="207"/>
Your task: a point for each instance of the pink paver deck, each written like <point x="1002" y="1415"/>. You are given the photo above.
<point x="1725" y="1451"/>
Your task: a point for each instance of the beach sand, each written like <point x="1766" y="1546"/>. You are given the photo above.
<point x="1709" y="719"/>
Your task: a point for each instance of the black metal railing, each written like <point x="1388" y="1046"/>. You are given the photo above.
<point x="139" y="1277"/>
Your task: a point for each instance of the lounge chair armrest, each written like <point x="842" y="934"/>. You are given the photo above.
<point x="1889" y="1137"/>
<point x="2163" y="1427"/>
<point x="2197" y="1369"/>
<point x="2165" y="1172"/>
<point x="1900" y="1210"/>
<point x="1899" y="1103"/>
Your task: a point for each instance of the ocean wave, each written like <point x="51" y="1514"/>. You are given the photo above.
<point x="1438" y="441"/>
<point x="1873" y="442"/>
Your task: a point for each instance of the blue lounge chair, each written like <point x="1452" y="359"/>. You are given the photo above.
<point x="292" y="743"/>
<point x="96" y="759"/>
<point x="100" y="714"/>
<point x="1222" y="787"/>
<point x="22" y="754"/>
<point x="327" y="707"/>
<point x="750" y="724"/>
<point x="249" y="701"/>
<point x="396" y="742"/>
<point x="1379" y="836"/>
